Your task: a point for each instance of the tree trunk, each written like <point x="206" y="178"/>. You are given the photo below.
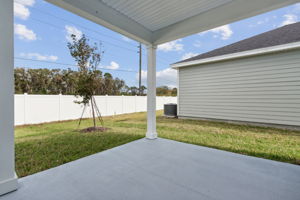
<point x="93" y="111"/>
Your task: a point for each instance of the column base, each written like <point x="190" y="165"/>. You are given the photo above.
<point x="8" y="185"/>
<point x="151" y="136"/>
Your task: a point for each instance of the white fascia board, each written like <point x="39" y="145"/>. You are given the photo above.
<point x="106" y="16"/>
<point x="243" y="54"/>
<point x="224" y="14"/>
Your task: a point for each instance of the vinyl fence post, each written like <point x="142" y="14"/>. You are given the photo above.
<point x="59" y="107"/>
<point x="122" y="104"/>
<point x="25" y="106"/>
<point x="106" y="105"/>
<point x="135" y="102"/>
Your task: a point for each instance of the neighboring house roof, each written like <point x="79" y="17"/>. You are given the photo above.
<point x="280" y="36"/>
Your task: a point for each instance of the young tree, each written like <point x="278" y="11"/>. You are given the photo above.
<point x="88" y="59"/>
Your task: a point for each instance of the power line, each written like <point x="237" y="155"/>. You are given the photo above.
<point x="72" y="65"/>
<point x="58" y="27"/>
<point x="94" y="38"/>
<point x="97" y="39"/>
<point x="84" y="27"/>
<point x="161" y="59"/>
<point x="89" y="29"/>
<point x="170" y="81"/>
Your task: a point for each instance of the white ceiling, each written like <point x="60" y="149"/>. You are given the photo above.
<point x="160" y="21"/>
<point x="156" y="14"/>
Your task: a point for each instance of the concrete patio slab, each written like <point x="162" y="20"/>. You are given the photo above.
<point x="163" y="169"/>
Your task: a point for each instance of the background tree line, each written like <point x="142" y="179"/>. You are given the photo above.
<point x="55" y="81"/>
<point x="166" y="91"/>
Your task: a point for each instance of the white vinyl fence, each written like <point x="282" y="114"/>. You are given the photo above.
<point x="34" y="109"/>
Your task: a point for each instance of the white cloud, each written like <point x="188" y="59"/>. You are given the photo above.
<point x="292" y="15"/>
<point x="289" y="19"/>
<point x="126" y="39"/>
<point x="144" y="75"/>
<point x="223" y="32"/>
<point x="26" y="2"/>
<point x="171" y="46"/>
<point x="265" y="20"/>
<point x="21" y="11"/>
<point x="198" y="44"/>
<point x="113" y="65"/>
<point x="24" y="33"/>
<point x="38" y="56"/>
<point x="20" y="8"/>
<point x="72" y="30"/>
<point x="188" y="55"/>
<point x="166" y="77"/>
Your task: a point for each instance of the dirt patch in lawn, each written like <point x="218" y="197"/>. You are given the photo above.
<point x="93" y="129"/>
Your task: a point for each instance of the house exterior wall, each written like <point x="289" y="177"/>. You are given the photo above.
<point x="262" y="89"/>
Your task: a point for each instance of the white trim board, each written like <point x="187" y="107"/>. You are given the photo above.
<point x="231" y="11"/>
<point x="100" y="13"/>
<point x="243" y="54"/>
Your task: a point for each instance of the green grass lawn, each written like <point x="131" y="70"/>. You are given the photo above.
<point x="39" y="147"/>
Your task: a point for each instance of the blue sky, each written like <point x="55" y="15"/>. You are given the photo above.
<point x="42" y="31"/>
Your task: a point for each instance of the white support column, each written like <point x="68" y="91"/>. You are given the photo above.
<point x="8" y="179"/>
<point x="151" y="93"/>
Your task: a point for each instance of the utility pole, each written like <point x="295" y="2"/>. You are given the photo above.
<point x="140" y="69"/>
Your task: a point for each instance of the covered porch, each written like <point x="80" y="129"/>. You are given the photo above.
<point x="163" y="169"/>
<point x="159" y="168"/>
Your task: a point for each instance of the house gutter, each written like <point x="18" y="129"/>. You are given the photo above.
<point x="249" y="53"/>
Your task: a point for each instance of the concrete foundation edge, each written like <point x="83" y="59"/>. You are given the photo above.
<point x="280" y="126"/>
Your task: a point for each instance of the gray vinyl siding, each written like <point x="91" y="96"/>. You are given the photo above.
<point x="263" y="89"/>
